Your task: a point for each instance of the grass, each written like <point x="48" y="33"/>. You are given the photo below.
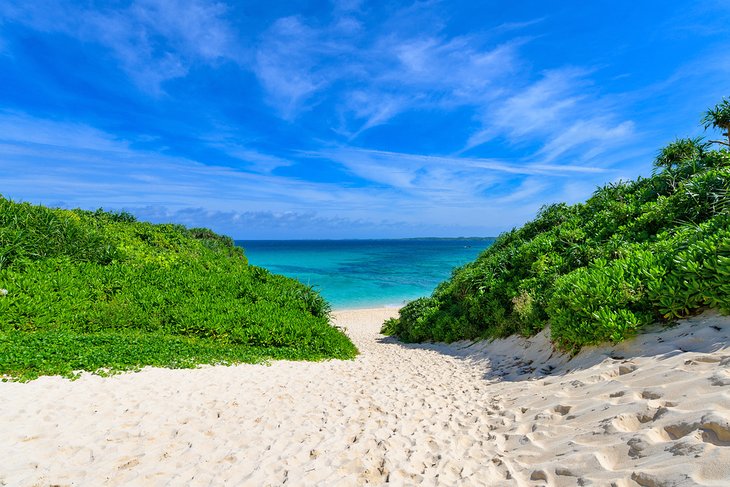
<point x="101" y="292"/>
<point x="636" y="252"/>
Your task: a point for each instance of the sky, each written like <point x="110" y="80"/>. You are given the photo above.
<point x="347" y="119"/>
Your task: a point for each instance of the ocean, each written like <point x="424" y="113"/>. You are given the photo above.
<point x="365" y="273"/>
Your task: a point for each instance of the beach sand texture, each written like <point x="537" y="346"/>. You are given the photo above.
<point x="654" y="411"/>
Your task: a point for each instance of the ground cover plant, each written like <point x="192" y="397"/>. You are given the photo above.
<point x="636" y="252"/>
<point x="99" y="291"/>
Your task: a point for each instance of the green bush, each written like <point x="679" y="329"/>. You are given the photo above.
<point x="698" y="274"/>
<point x="30" y="232"/>
<point x="635" y="252"/>
<point x="604" y="301"/>
<point x="99" y="284"/>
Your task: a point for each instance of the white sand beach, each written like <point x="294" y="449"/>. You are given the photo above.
<point x="654" y="411"/>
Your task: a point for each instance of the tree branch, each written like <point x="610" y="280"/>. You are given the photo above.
<point x="719" y="142"/>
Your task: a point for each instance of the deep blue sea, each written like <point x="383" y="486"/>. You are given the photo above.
<point x="365" y="273"/>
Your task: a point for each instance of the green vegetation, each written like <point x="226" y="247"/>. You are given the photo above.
<point x="98" y="291"/>
<point x="636" y="252"/>
<point x="719" y="117"/>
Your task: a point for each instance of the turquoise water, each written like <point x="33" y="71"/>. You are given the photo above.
<point x="365" y="273"/>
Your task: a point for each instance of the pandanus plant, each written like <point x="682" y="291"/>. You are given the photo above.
<point x="719" y="117"/>
<point x="678" y="152"/>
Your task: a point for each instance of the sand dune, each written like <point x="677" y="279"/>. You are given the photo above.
<point x="654" y="411"/>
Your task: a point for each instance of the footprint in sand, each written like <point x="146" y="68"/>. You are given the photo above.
<point x="629" y="423"/>
<point x="627" y="369"/>
<point x="702" y="359"/>
<point x="710" y="429"/>
<point x="637" y="447"/>
<point x="650" y="394"/>
<point x="539" y="475"/>
<point x="647" y="480"/>
<point x="562" y="410"/>
<point x="610" y="457"/>
<point x="626" y="423"/>
<point x="720" y="379"/>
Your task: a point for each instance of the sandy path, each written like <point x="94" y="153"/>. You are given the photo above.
<point x="645" y="413"/>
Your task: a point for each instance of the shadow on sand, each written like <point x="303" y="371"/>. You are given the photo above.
<point x="521" y="359"/>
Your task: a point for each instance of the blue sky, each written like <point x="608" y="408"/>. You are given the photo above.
<point x="347" y="119"/>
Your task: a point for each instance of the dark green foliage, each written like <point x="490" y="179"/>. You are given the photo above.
<point x="698" y="274"/>
<point x="212" y="240"/>
<point x="679" y="152"/>
<point x="113" y="216"/>
<point x="604" y="301"/>
<point x="635" y="252"/>
<point x="91" y="290"/>
<point x="30" y="232"/>
<point x="719" y="117"/>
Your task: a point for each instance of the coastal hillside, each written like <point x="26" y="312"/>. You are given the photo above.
<point x="99" y="291"/>
<point x="636" y="252"/>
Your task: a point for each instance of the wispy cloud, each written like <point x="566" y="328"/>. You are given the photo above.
<point x="561" y="112"/>
<point x="272" y="225"/>
<point x="287" y="65"/>
<point x="431" y="72"/>
<point x="452" y="181"/>
<point x="379" y="75"/>
<point x="82" y="166"/>
<point x="154" y="40"/>
<point x="455" y="65"/>
<point x="73" y="154"/>
<point x="388" y="74"/>
<point x="345" y="155"/>
<point x="251" y="159"/>
<point x="513" y="26"/>
<point x="599" y="134"/>
<point x="533" y="111"/>
<point x="375" y="108"/>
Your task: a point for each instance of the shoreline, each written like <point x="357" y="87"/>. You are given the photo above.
<point x="367" y="308"/>
<point x="652" y="411"/>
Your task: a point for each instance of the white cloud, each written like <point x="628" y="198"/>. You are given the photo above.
<point x="347" y="155"/>
<point x="374" y="78"/>
<point x="375" y="108"/>
<point x="154" y="40"/>
<point x="457" y="183"/>
<point x="561" y="113"/>
<point x="336" y="67"/>
<point x="427" y="72"/>
<point x="24" y="130"/>
<point x="378" y="74"/>
<point x="512" y="26"/>
<point x="294" y="61"/>
<point x="527" y="190"/>
<point x="196" y="27"/>
<point x="599" y="134"/>
<point x="532" y="111"/>
<point x="255" y="160"/>
<point x="272" y="224"/>
<point x="454" y="65"/>
<point x="55" y="160"/>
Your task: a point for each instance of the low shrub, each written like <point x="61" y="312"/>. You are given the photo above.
<point x="605" y="301"/>
<point x="637" y="251"/>
<point x="99" y="284"/>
